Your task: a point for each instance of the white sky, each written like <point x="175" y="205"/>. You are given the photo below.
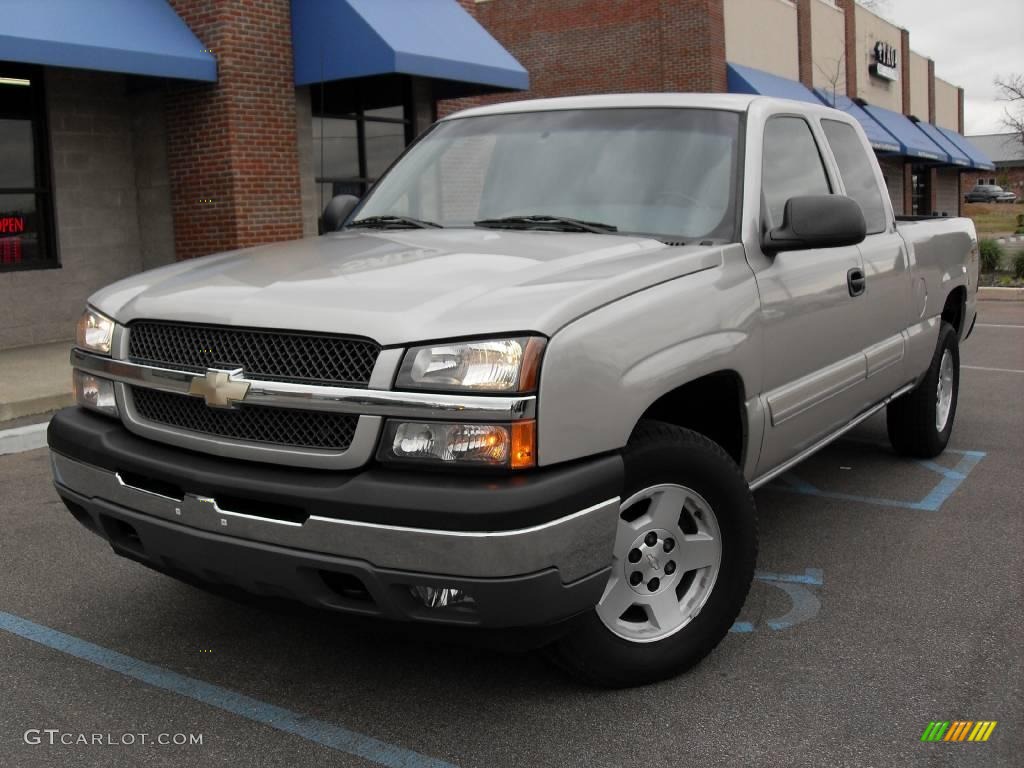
<point x="971" y="42"/>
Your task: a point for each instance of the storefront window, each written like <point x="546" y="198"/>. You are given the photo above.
<point x="26" y="237"/>
<point x="359" y="128"/>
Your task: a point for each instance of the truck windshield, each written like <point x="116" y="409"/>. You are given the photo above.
<point x="671" y="173"/>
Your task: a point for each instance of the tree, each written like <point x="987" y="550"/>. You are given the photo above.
<point x="1011" y="90"/>
<point x="834" y="72"/>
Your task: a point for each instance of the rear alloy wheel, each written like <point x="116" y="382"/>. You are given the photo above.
<point x="682" y="563"/>
<point x="920" y="422"/>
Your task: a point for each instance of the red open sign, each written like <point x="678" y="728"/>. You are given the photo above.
<point x="12" y="225"/>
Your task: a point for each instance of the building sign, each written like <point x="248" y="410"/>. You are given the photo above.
<point x="886" y="61"/>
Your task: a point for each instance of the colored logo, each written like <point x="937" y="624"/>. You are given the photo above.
<point x="959" y="730"/>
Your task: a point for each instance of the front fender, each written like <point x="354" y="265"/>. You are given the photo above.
<point x="604" y="370"/>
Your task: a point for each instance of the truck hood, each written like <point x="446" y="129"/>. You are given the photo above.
<point x="402" y="286"/>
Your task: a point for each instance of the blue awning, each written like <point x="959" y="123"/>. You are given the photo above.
<point x="956" y="155"/>
<point x="913" y="142"/>
<point x="140" y="37"/>
<point x="749" y="80"/>
<point x="437" y="39"/>
<point x="979" y="159"/>
<point x="879" y="138"/>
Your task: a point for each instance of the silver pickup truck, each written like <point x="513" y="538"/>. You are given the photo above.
<point x="531" y="379"/>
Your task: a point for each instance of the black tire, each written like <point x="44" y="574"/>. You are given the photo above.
<point x="911" y="419"/>
<point x="661" y="453"/>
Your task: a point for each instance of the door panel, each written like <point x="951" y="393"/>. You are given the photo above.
<point x="888" y="306"/>
<point x="886" y="297"/>
<point x="814" y="338"/>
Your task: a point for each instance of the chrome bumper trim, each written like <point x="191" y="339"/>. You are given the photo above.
<point x="578" y="544"/>
<point x="280" y="394"/>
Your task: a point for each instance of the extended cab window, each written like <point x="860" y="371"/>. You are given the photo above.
<point x="856" y="171"/>
<point x="791" y="167"/>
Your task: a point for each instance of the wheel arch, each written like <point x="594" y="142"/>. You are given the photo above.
<point x="954" y="310"/>
<point x="712" y="405"/>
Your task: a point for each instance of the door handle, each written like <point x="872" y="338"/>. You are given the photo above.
<point x="856" y="281"/>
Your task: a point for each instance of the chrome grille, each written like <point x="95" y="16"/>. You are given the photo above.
<point x="306" y="358"/>
<point x="279" y="426"/>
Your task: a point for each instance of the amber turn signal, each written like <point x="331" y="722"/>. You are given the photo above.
<point x="524" y="445"/>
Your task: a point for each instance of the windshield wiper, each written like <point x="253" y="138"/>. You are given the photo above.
<point x="384" y="222"/>
<point x="543" y="221"/>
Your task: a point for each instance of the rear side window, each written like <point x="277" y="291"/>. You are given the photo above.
<point x="791" y="167"/>
<point x="856" y="171"/>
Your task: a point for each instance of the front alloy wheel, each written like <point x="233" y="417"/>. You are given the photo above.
<point x="668" y="550"/>
<point x="683" y="560"/>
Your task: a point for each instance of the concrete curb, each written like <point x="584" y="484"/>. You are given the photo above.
<point x="43" y="404"/>
<point x="1001" y="294"/>
<point x="26" y="438"/>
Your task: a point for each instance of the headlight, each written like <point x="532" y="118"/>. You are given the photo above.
<point x="508" y="446"/>
<point x="94" y="392"/>
<point x="94" y="332"/>
<point x="489" y="365"/>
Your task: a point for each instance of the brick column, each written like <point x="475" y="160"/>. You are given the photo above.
<point x="232" y="146"/>
<point x="804" y="42"/>
<point x="849" y="8"/>
<point x="905" y="69"/>
<point x="960" y="110"/>
<point x="931" y="91"/>
<point x="960" y="194"/>
<point x="693" y="45"/>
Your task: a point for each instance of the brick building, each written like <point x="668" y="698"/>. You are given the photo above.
<point x="834" y="51"/>
<point x="137" y="132"/>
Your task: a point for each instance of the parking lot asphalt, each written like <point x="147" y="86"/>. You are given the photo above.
<point x="890" y="594"/>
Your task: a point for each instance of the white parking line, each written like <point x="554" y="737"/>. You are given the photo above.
<point x="998" y="325"/>
<point x="20" y="439"/>
<point x="998" y="370"/>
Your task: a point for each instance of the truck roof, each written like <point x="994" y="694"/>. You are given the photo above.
<point x="724" y="101"/>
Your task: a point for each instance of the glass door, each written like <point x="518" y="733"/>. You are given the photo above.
<point x="920" y="190"/>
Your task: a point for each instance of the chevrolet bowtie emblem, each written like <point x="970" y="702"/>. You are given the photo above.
<point x="220" y="389"/>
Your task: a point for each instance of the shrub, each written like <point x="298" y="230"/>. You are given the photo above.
<point x="1018" y="266"/>
<point x="991" y="253"/>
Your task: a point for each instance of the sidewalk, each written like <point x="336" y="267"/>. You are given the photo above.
<point x="34" y="379"/>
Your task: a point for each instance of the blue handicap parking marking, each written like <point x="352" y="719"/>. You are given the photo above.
<point x="325" y="734"/>
<point x="805" y="605"/>
<point x="931" y="502"/>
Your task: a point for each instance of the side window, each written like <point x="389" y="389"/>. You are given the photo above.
<point x="791" y="167"/>
<point x="857" y="173"/>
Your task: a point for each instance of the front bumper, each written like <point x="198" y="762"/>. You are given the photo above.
<point x="529" y="549"/>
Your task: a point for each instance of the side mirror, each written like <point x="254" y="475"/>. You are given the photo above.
<point x="819" y="221"/>
<point x="337" y="211"/>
